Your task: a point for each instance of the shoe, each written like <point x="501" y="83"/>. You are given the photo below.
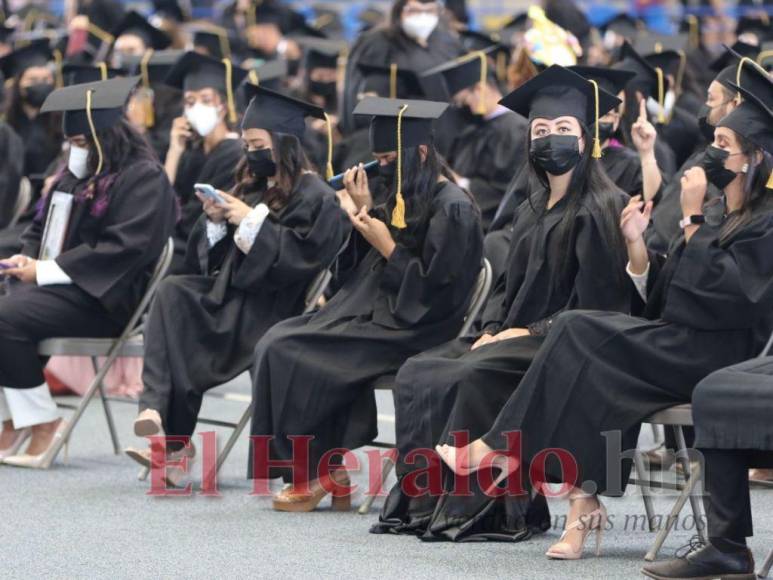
<point x="587" y="523"/>
<point x="288" y="500"/>
<point x="141" y="456"/>
<point x="451" y="455"/>
<point x="45" y="459"/>
<point x="148" y="423"/>
<point x="18" y="441"/>
<point x="173" y="476"/>
<point x="706" y="563"/>
<point x="761" y="477"/>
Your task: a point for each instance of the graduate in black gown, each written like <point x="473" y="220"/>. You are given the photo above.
<point x="252" y="260"/>
<point x="415" y="261"/>
<point x="91" y="249"/>
<point x="598" y="375"/>
<point x="566" y="254"/>
<point x="416" y="38"/>
<point x="492" y="142"/>
<point x="202" y="147"/>
<point x="12" y="154"/>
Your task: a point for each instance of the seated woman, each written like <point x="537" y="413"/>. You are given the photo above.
<point x="98" y="236"/>
<point x="566" y="253"/>
<point x="254" y="255"/>
<point x="409" y="290"/>
<point x="599" y="375"/>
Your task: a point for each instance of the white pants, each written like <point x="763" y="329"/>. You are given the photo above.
<point x="27" y="407"/>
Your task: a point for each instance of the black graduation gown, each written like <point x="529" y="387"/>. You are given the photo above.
<point x="40" y="148"/>
<point x="313" y="374"/>
<point x="623" y="167"/>
<point x="114" y="239"/>
<point x="353" y="150"/>
<point x="222" y="311"/>
<point x="681" y="133"/>
<point x="12" y="154"/>
<point x="708" y="307"/>
<point x="217" y="168"/>
<point x="452" y="388"/>
<point x="487" y="154"/>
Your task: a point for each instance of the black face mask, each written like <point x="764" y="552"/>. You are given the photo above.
<point x="606" y="131"/>
<point x="387" y="172"/>
<point x="555" y="154"/>
<point x="35" y="95"/>
<point x="707" y="130"/>
<point x="326" y="90"/>
<point x="260" y="163"/>
<point x="714" y="165"/>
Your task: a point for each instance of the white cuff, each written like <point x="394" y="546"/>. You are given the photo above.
<point x="48" y="273"/>
<point x="249" y="229"/>
<point x="639" y="280"/>
<point x="216" y="232"/>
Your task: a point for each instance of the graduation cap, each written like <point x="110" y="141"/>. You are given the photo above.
<point x="738" y="50"/>
<point x="649" y="79"/>
<point x="79" y="73"/>
<point x="610" y="80"/>
<point x="691" y="24"/>
<point x="671" y="62"/>
<point x="133" y="23"/>
<point x="37" y="53"/>
<point x="652" y="42"/>
<point x="195" y="71"/>
<point x="463" y="72"/>
<point x="265" y="12"/>
<point x="370" y="17"/>
<point x="517" y="23"/>
<point x="279" y="113"/>
<point x="216" y="41"/>
<point x="765" y="57"/>
<point x="395" y="125"/>
<point x="172" y="9"/>
<point x="390" y="81"/>
<point x="753" y="79"/>
<point x="91" y="107"/>
<point x="759" y="25"/>
<point x="268" y="74"/>
<point x="322" y="52"/>
<point x="152" y="67"/>
<point x="557" y="91"/>
<point x="327" y="20"/>
<point x="500" y="52"/>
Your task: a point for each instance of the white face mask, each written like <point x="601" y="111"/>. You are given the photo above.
<point x="653" y="107"/>
<point x="420" y="26"/>
<point x="78" y="161"/>
<point x="203" y="118"/>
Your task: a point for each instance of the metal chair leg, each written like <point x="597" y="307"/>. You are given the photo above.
<point x="641" y="475"/>
<point x="691" y="474"/>
<point x="766" y="566"/>
<point x="387" y="465"/>
<point x="235" y="434"/>
<point x="108" y="412"/>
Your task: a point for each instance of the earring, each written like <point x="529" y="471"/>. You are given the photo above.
<point x="745" y="168"/>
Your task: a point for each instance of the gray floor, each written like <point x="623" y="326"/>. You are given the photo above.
<point x="91" y="518"/>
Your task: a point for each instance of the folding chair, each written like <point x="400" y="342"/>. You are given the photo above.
<point x="129" y="343"/>
<point x="766" y="566"/>
<point x="387" y="382"/>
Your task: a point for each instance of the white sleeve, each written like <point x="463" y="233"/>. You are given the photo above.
<point x="216" y="232"/>
<point x="249" y="229"/>
<point x="48" y="273"/>
<point x="639" y="280"/>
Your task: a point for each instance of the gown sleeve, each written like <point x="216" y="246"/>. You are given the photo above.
<point x="301" y="242"/>
<point x="421" y="287"/>
<point x="724" y="288"/>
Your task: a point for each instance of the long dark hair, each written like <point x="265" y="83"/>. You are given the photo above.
<point x="291" y="164"/>
<point x="14" y="113"/>
<point x="121" y="145"/>
<point x="756" y="198"/>
<point x="589" y="186"/>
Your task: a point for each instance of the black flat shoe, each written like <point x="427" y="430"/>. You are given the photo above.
<point x="707" y="563"/>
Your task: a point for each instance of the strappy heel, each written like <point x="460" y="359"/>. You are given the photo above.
<point x="594" y="521"/>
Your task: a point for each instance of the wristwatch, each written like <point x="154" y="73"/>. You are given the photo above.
<point x="692" y="220"/>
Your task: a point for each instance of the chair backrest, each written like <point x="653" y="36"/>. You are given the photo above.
<point x="162" y="268"/>
<point x="768" y="347"/>
<point x="479" y="297"/>
<point x="317" y="289"/>
<point x="22" y="200"/>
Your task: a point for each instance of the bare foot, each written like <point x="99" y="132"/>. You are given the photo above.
<point x="464" y="460"/>
<point x="8" y="436"/>
<point x="42" y="435"/>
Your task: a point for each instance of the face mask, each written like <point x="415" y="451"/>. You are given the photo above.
<point x="653" y="107"/>
<point x="78" y="163"/>
<point x="714" y="165"/>
<point x="555" y="154"/>
<point x="387" y="172"/>
<point x="606" y="130"/>
<point x="322" y="89"/>
<point x="420" y="26"/>
<point x="35" y="95"/>
<point x="707" y="130"/>
<point x="260" y="163"/>
<point x="203" y="118"/>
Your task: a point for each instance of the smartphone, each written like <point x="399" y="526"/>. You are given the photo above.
<point x="5" y="266"/>
<point x="337" y="181"/>
<point x="207" y="190"/>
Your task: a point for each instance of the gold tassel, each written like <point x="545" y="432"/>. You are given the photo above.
<point x="661" y="96"/>
<point x="102" y="70"/>
<point x="329" y="169"/>
<point x="229" y="91"/>
<point x="596" y="141"/>
<point x="393" y="81"/>
<point x="769" y="184"/>
<point x="225" y="44"/>
<point x="398" y="214"/>
<point x="658" y="48"/>
<point x="694" y="30"/>
<point x="483" y="81"/>
<point x="150" y="114"/>
<point x="58" y="66"/>
<point x="93" y="129"/>
<point x="253" y="76"/>
<point x="680" y="72"/>
<point x="501" y="66"/>
<point x="104" y="36"/>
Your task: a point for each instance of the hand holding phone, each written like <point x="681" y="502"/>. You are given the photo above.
<point x="209" y="192"/>
<point x="337" y="181"/>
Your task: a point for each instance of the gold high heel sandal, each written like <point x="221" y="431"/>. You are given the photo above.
<point x="587" y="523"/>
<point x="45" y="459"/>
<point x="18" y="441"/>
<point x="289" y="500"/>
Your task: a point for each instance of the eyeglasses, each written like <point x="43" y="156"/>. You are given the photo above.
<point x="413" y="10"/>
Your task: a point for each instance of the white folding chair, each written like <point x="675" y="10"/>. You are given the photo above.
<point x="387" y="382"/>
<point x="129" y="343"/>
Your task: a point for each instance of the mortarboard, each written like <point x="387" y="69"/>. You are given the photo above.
<point x="652" y="42"/>
<point x="463" y="72"/>
<point x="765" y="57"/>
<point x="79" y="73"/>
<point x="395" y="125"/>
<point x="268" y="74"/>
<point x="753" y="79"/>
<point x="610" y="80"/>
<point x="556" y="92"/>
<point x="473" y="40"/>
<point x="152" y="68"/>
<point x="194" y="71"/>
<point x="91" y="107"/>
<point x="738" y="50"/>
<point x="321" y="52"/>
<point x="137" y="25"/>
<point x="649" y="80"/>
<point x="172" y="9"/>
<point x="759" y="25"/>
<point x="37" y="53"/>
<point x="671" y="62"/>
<point x="390" y="81"/>
<point x="215" y="40"/>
